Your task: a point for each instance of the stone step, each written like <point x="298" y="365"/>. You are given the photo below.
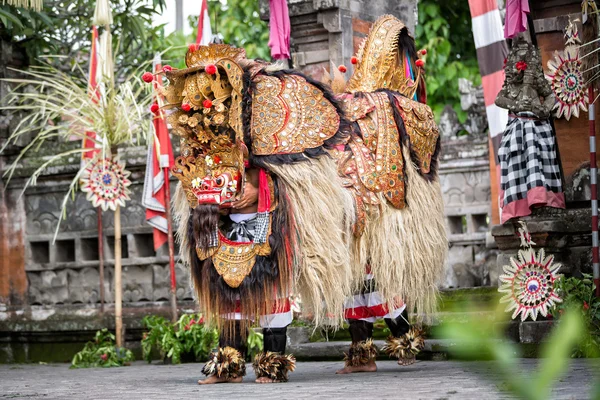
<point x="435" y="349"/>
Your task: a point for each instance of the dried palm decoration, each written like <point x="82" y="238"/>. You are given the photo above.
<point x="566" y="77"/>
<point x="35" y="5"/>
<point x="57" y="105"/>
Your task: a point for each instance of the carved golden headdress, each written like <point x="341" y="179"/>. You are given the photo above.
<point x="379" y="62"/>
<point x="214" y="74"/>
<point x="207" y="100"/>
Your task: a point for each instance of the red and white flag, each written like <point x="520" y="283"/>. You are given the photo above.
<point x="89" y="142"/>
<point x="204" y="35"/>
<point x="160" y="156"/>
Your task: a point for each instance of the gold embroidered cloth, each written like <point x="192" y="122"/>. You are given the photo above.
<point x="289" y="115"/>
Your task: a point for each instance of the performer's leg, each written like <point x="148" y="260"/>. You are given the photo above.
<point x="227" y="363"/>
<point x="273" y="365"/>
<point x="405" y="342"/>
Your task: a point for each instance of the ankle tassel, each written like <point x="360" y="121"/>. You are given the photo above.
<point x="225" y="363"/>
<point x="361" y="353"/>
<point x="406" y="346"/>
<point x="274" y="366"/>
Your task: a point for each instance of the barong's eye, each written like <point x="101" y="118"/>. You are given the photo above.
<point x="220" y="181"/>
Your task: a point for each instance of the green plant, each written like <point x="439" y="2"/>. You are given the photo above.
<point x="101" y="352"/>
<point x="444" y="29"/>
<point x="238" y="21"/>
<point x="579" y="294"/>
<point x="474" y="338"/>
<point x="64" y="28"/>
<point x="188" y="335"/>
<point x="254" y="343"/>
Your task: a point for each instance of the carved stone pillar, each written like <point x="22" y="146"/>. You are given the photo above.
<point x="13" y="280"/>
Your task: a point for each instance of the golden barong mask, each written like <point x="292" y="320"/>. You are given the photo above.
<point x="215" y="177"/>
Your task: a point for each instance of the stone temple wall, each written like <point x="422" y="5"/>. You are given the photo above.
<point x="66" y="272"/>
<point x="464" y="176"/>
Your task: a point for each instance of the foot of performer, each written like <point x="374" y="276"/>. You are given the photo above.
<point x="227" y="364"/>
<point x="404" y="343"/>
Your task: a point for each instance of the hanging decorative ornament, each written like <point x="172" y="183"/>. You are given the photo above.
<point x="102" y="13"/>
<point x="106" y="182"/>
<point x="35" y="5"/>
<point x="566" y="77"/>
<point x="529" y="284"/>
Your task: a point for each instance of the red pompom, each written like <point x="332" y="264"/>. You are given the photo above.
<point x="207" y="103"/>
<point x="424" y="51"/>
<point x="147" y="77"/>
<point x="193" y="47"/>
<point x="216" y="159"/>
<point x="353" y="60"/>
<point x="154" y="108"/>
<point x="521" y="65"/>
<point x="342" y="68"/>
<point x="211" y="69"/>
<point x="419" y="63"/>
<point x="186" y="107"/>
<point x="167" y="68"/>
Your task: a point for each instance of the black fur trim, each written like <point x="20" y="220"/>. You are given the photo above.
<point x="407" y="43"/>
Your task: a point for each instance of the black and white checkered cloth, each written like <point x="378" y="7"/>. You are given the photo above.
<point x="527" y="157"/>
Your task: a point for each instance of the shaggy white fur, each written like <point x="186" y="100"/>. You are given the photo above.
<point x="406" y="248"/>
<point x="324" y="215"/>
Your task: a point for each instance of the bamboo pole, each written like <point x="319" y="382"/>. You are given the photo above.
<point x="119" y="329"/>
<point x="171" y="247"/>
<point x="101" y="258"/>
<point x="594" y="187"/>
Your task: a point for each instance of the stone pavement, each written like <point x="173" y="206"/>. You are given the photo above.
<point x="315" y="380"/>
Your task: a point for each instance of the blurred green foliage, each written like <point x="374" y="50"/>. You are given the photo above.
<point x="476" y="339"/>
<point x="254" y="343"/>
<point x="236" y="21"/>
<point x="579" y="294"/>
<point x="64" y="28"/>
<point x="444" y="29"/>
